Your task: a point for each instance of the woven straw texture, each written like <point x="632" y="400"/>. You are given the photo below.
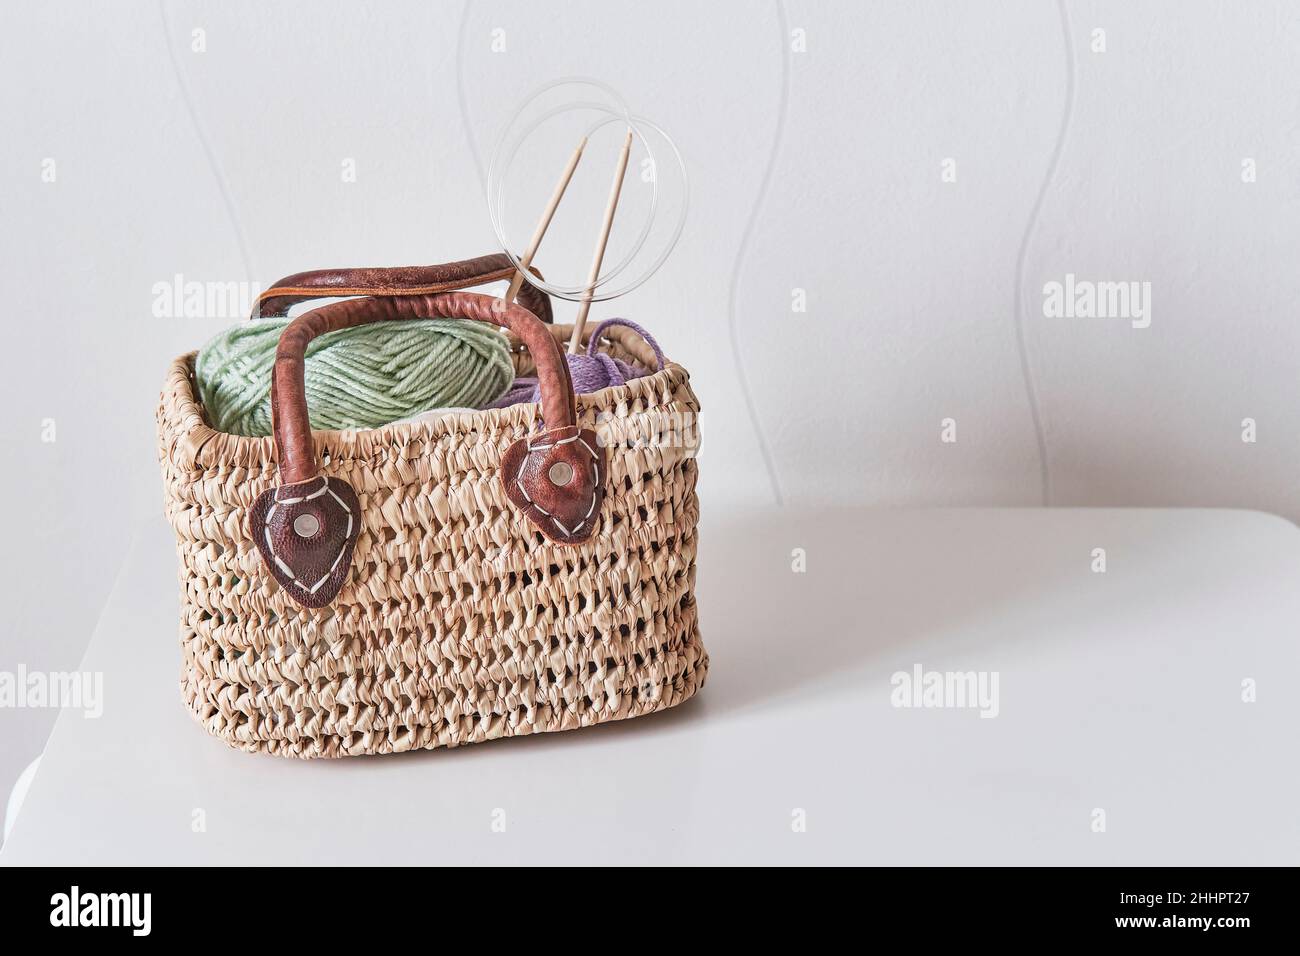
<point x="459" y="622"/>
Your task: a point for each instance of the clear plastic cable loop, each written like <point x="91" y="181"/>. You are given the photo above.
<point x="507" y="153"/>
<point x="497" y="206"/>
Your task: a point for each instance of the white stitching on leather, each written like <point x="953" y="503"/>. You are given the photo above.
<point x="595" y="481"/>
<point x="314" y="494"/>
<point x="325" y="487"/>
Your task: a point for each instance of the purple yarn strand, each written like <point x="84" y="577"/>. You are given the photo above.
<point x="521" y="391"/>
<point x="590" y="372"/>
<point x="594" y="338"/>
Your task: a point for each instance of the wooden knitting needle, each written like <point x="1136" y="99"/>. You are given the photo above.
<point x="542" y="224"/>
<point x="585" y="305"/>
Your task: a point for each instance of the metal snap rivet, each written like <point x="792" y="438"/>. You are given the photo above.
<point x="306" y="526"/>
<point x="560" y="473"/>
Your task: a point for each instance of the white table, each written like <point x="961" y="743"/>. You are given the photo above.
<point x="1119" y="691"/>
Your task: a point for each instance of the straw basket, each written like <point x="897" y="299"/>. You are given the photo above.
<point x="435" y="584"/>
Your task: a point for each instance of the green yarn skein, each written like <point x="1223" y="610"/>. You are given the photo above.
<point x="359" y="377"/>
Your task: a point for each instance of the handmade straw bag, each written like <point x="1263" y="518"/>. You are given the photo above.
<point x="432" y="584"/>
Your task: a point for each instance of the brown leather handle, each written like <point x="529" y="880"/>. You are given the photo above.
<point x="307" y="527"/>
<point x="289" y="420"/>
<point x="398" y="280"/>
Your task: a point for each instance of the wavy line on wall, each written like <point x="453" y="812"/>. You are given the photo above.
<point x="1026" y="367"/>
<point x="222" y="186"/>
<point x="460" y="97"/>
<point x="732" y="330"/>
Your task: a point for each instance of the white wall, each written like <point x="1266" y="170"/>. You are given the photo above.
<point x="817" y="170"/>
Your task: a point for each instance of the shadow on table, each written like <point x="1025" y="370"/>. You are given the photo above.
<point x="798" y="604"/>
<point x="886" y="589"/>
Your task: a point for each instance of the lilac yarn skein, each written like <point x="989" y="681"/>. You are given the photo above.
<point x="590" y="372"/>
